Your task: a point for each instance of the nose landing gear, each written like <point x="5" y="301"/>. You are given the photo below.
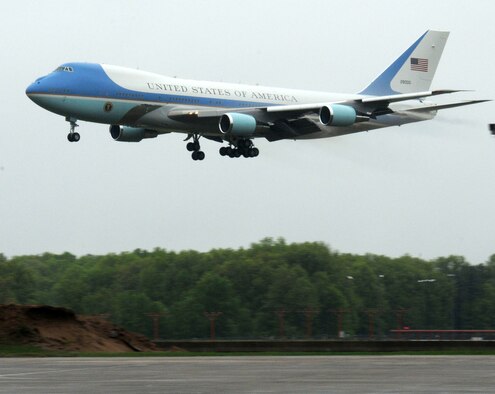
<point x="73" y="136"/>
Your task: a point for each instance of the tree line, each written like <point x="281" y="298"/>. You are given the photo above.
<point x="254" y="288"/>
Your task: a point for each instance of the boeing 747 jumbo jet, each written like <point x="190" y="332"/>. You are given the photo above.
<point x="138" y="104"/>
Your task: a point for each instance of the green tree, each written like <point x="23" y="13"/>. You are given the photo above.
<point x="213" y="293"/>
<point x="131" y="308"/>
<point x="292" y="291"/>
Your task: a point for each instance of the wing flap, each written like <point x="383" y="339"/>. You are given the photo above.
<point x="193" y="114"/>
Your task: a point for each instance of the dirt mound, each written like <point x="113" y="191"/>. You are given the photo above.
<point x="55" y="328"/>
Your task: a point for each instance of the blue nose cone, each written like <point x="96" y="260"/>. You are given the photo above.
<point x="35" y="87"/>
<point x="30" y="89"/>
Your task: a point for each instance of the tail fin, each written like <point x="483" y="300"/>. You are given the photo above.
<point x="414" y="70"/>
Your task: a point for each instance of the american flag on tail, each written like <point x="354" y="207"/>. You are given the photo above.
<point x="419" y="64"/>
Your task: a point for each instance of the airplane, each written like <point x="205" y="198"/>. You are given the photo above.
<point x="139" y="105"/>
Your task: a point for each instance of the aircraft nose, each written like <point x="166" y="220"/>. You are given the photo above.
<point x="30" y="89"/>
<point x="35" y="87"/>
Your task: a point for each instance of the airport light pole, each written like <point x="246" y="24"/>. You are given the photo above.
<point x="426" y="297"/>
<point x="281" y="322"/>
<point x="212" y="317"/>
<point x="340" y="312"/>
<point x="455" y="300"/>
<point x="399" y="315"/>
<point x="372" y="313"/>
<point x="155" y="318"/>
<point x="309" y="312"/>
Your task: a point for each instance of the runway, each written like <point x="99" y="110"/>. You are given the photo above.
<point x="254" y="374"/>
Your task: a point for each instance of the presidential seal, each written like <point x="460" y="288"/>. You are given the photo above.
<point x="108" y="107"/>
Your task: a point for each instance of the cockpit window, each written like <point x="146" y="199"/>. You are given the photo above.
<point x="64" y="68"/>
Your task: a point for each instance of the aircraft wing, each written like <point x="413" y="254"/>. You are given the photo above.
<point x="365" y="107"/>
<point x="294" y="121"/>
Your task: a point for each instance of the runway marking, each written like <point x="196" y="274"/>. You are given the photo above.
<point x="8" y="375"/>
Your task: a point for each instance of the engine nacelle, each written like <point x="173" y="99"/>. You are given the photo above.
<point x="337" y="115"/>
<point x="130" y="134"/>
<point x="237" y="124"/>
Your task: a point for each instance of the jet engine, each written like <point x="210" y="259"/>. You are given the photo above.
<point x="130" y="134"/>
<point x="337" y="115"/>
<point x="237" y="124"/>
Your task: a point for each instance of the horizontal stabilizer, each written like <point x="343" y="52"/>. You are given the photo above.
<point x="435" y="107"/>
<point x="407" y="96"/>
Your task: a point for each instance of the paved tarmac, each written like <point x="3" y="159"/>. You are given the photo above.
<point x="304" y="374"/>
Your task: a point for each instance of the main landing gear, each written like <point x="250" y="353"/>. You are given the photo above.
<point x="237" y="148"/>
<point x="73" y="136"/>
<point x="245" y="148"/>
<point x="195" y="148"/>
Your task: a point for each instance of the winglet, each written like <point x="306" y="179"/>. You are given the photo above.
<point x="414" y="70"/>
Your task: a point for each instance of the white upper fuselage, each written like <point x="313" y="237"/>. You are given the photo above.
<point x="226" y="95"/>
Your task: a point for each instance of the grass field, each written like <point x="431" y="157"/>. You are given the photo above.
<point x="33" y="351"/>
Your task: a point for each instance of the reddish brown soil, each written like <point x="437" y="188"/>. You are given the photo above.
<point x="53" y="328"/>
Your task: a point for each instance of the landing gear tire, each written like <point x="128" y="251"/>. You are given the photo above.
<point x="190" y="146"/>
<point x="240" y="147"/>
<point x="195" y="148"/>
<point x="198" y="155"/>
<point x="73" y="137"/>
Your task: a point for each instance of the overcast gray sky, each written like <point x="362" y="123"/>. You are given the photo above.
<point x="426" y="189"/>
